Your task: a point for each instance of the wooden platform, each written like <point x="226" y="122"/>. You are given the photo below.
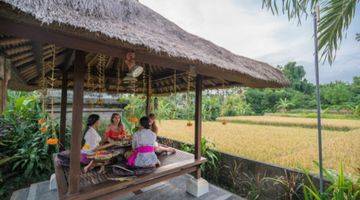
<point x="94" y="185"/>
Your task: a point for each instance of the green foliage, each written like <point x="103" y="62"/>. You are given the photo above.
<point x="337" y="96"/>
<point x="336" y="93"/>
<point x="254" y="185"/>
<point x="289" y="185"/>
<point x="341" y="186"/>
<point x="284" y="105"/>
<point x="296" y="75"/>
<point x="264" y="100"/>
<point x="176" y="106"/>
<point x="235" y="105"/>
<point x="24" y="153"/>
<point x="207" y="151"/>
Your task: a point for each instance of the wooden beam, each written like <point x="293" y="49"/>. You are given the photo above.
<point x="63" y="109"/>
<point x="5" y="75"/>
<point x="148" y="92"/>
<point x="12" y="41"/>
<point x="69" y="60"/>
<point x="38" y="55"/>
<point x="60" y="178"/>
<point x="198" y="106"/>
<point x="77" y="111"/>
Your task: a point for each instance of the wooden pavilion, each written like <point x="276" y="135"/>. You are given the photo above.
<point x="88" y="32"/>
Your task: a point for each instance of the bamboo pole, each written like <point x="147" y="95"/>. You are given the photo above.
<point x="316" y="15"/>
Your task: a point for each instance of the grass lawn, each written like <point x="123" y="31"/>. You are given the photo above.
<point x="282" y="145"/>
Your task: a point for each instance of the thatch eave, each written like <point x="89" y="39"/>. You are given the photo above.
<point x="260" y="75"/>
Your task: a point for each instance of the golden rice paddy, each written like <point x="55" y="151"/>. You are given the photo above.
<point x="293" y="147"/>
<point x="329" y="124"/>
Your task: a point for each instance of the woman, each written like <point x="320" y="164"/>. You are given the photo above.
<point x="91" y="140"/>
<point x="154" y="128"/>
<point x="143" y="144"/>
<point x="153" y="125"/>
<point x="115" y="130"/>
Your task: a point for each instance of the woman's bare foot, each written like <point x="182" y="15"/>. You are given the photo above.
<point x="88" y="167"/>
<point x="171" y="150"/>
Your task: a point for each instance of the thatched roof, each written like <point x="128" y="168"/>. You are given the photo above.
<point x="129" y="25"/>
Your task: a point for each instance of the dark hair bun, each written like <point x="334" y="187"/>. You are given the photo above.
<point x="92" y="119"/>
<point x="145" y="122"/>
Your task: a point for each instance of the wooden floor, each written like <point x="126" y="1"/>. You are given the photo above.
<point x="94" y="184"/>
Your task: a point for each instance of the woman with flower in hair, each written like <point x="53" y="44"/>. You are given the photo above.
<point x="91" y="140"/>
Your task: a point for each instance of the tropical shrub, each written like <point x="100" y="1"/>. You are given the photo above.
<point x="27" y="142"/>
<point x="341" y="186"/>
<point x="211" y="166"/>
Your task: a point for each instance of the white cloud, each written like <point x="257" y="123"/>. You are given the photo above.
<point x="244" y="28"/>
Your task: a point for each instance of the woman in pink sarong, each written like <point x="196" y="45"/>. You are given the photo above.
<point x="143" y="144"/>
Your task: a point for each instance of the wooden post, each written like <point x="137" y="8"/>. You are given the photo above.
<point x="148" y="92"/>
<point x="63" y="109"/>
<point x="77" y="111"/>
<point x="5" y="75"/>
<point x="198" y="105"/>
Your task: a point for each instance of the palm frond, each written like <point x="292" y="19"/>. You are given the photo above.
<point x="358" y="37"/>
<point x="336" y="16"/>
<point x="294" y="9"/>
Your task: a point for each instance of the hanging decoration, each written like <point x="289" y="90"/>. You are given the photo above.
<point x="45" y="83"/>
<point x="174" y="92"/>
<point x="189" y="123"/>
<point x="144" y="86"/>
<point x="52" y="83"/>
<point x="90" y="84"/>
<point x="101" y="77"/>
<point x="118" y="76"/>
<point x="224" y="122"/>
<point x="133" y="119"/>
<point x="134" y="70"/>
<point x="174" y="82"/>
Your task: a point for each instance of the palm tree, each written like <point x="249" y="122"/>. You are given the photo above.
<point x="284" y="105"/>
<point x="336" y="16"/>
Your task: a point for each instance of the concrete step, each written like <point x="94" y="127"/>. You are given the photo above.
<point x="36" y="191"/>
<point x="174" y="189"/>
<point x="20" y="194"/>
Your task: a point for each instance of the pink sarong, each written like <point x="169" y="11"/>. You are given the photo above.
<point x="143" y="149"/>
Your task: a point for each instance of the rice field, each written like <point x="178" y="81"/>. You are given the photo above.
<point x="293" y="147"/>
<point x="328" y="124"/>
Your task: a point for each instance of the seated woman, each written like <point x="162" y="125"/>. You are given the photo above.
<point x="143" y="143"/>
<point x="91" y="140"/>
<point x="158" y="148"/>
<point x="115" y="130"/>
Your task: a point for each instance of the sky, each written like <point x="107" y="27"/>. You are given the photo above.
<point x="244" y="28"/>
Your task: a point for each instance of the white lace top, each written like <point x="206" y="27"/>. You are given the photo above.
<point x="145" y="137"/>
<point x="92" y="139"/>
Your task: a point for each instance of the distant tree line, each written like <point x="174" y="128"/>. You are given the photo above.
<point x="337" y="96"/>
<point x="300" y="95"/>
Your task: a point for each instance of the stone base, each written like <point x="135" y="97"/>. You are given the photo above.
<point x="197" y="187"/>
<point x="53" y="184"/>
